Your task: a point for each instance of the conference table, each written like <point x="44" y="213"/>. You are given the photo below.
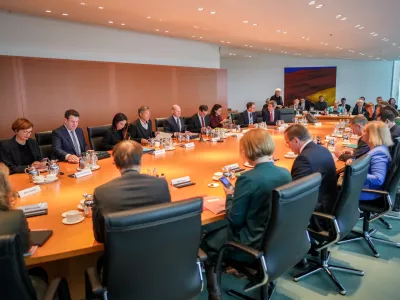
<point x="200" y="163"/>
<point x="328" y="118"/>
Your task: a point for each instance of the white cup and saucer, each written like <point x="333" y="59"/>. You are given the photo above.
<point x="81" y="204"/>
<point x="72" y="217"/>
<point x="218" y="174"/>
<point x="39" y="179"/>
<point x="51" y="177"/>
<point x="290" y="154"/>
<point x="213" y="185"/>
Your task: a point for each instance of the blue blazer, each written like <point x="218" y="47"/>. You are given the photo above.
<point x="378" y="168"/>
<point x="62" y="142"/>
<point x="244" y="118"/>
<point x="266" y="116"/>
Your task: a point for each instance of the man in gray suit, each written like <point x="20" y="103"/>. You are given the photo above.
<point x="131" y="190"/>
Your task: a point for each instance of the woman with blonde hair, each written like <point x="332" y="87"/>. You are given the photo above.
<point x="248" y="205"/>
<point x="378" y="138"/>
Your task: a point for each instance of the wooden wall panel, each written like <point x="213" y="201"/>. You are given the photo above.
<point x="42" y="89"/>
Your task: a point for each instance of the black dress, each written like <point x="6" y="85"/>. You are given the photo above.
<point x="111" y="138"/>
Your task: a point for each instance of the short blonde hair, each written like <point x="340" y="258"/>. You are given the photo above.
<point x="379" y="134"/>
<point x="257" y="143"/>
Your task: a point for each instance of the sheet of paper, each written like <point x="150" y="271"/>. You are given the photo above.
<point x="163" y="135"/>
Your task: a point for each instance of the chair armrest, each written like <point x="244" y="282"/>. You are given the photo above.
<point x="94" y="281"/>
<point x="383" y="193"/>
<point x="202" y="256"/>
<point x="322" y="215"/>
<point x="253" y="252"/>
<point x="51" y="291"/>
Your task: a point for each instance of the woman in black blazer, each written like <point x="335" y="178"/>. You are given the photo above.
<point x="116" y="133"/>
<point x="21" y="151"/>
<point x="141" y="130"/>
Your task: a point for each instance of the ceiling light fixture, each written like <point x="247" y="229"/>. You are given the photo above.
<point x="101" y="7"/>
<point x="370" y="56"/>
<point x="245" y="22"/>
<point x="148" y="17"/>
<point x="200" y="37"/>
<point x="193" y="36"/>
<point x="157" y="29"/>
<point x="212" y="12"/>
<point x="200" y="9"/>
<point x="123" y="24"/>
<point x="255" y="24"/>
<point x="338" y="16"/>
<point x="361" y="53"/>
<point x="343" y="19"/>
<point x="284" y="32"/>
<point x="234" y="54"/>
<point x="110" y="22"/>
<point x="166" y="31"/>
<point x="48" y="11"/>
<point x="319" y="6"/>
<point x="82" y="3"/>
<point x="228" y="42"/>
<point x="357" y="26"/>
<point x="197" y="27"/>
<point x="64" y="14"/>
<point x="311" y="3"/>
<point x="375" y="34"/>
<point x="279" y="31"/>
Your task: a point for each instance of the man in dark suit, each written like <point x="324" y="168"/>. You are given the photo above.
<point x="304" y="104"/>
<point x="345" y="106"/>
<point x="131" y="190"/>
<point x="359" y="108"/>
<point x="249" y="116"/>
<point x="200" y="121"/>
<point x="175" y="123"/>
<point x="141" y="130"/>
<point x="68" y="140"/>
<point x="271" y="114"/>
<point x="388" y="117"/>
<point x="277" y="98"/>
<point x="321" y="105"/>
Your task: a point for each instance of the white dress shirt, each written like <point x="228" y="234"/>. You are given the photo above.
<point x="178" y="121"/>
<point x="72" y="133"/>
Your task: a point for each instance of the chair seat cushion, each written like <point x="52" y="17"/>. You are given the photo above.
<point x="374" y="206"/>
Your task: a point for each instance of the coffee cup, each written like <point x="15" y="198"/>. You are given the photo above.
<point x="51" y="177"/>
<point x="82" y="203"/>
<point x="218" y="174"/>
<point x="39" y="178"/>
<point x="157" y="144"/>
<point x="290" y="153"/>
<point x="73" y="215"/>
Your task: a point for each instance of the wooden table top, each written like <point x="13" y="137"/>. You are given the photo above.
<point x="200" y="163"/>
<point x="329" y="118"/>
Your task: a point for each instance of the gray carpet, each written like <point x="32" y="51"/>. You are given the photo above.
<point x="381" y="279"/>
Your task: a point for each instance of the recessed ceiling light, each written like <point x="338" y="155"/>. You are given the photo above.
<point x="357" y="26"/>
<point x="370" y="56"/>
<point x="394" y="44"/>
<point x="234" y="54"/>
<point x="311" y="3"/>
<point x="249" y="55"/>
<point x="251" y="46"/>
<point x="200" y="9"/>
<point x="378" y="58"/>
<point x="245" y="22"/>
<point x="160" y="20"/>
<point x="255" y="24"/>
<point x="284" y="32"/>
<point x="269" y="49"/>
<point x="230" y="53"/>
<point x="222" y="41"/>
<point x="212" y="12"/>
<point x="166" y="31"/>
<point x="110" y="22"/>
<point x="82" y="3"/>
<point x="123" y="24"/>
<point x="279" y="31"/>
<point x="303" y="37"/>
<point x="351" y="51"/>
<point x="362" y="27"/>
<point x="193" y="36"/>
<point x="338" y="16"/>
<point x="101" y="7"/>
<point x="148" y="17"/>
<point x="361" y="53"/>
<point x="200" y="37"/>
<point x="319" y="6"/>
<point x="64" y="14"/>
<point x="228" y="42"/>
<point x="245" y="45"/>
<point x="343" y="19"/>
<point x="48" y="11"/>
<point x="372" y="33"/>
<point x="157" y="29"/>
<point x="375" y="34"/>
<point x="197" y="27"/>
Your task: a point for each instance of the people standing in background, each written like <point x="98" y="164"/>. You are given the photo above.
<point x="199" y="121"/>
<point x="358" y="108"/>
<point x="277" y="98"/>
<point x="271" y="115"/>
<point x="68" y="140"/>
<point x="392" y="102"/>
<point x="116" y="133"/>
<point x="378" y="101"/>
<point x="265" y="106"/>
<point x="369" y="113"/>
<point x="141" y="130"/>
<point x="321" y="105"/>
<point x="215" y="117"/>
<point x="345" y="106"/>
<point x="389" y="119"/>
<point x="249" y="116"/>
<point x="175" y="123"/>
<point x="335" y="109"/>
<point x="20" y="151"/>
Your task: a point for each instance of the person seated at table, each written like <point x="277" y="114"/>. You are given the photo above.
<point x="377" y="136"/>
<point x="175" y="123"/>
<point x="346" y="107"/>
<point x="249" y="116"/>
<point x="20" y="151"/>
<point x="215" y="117"/>
<point x="199" y="121"/>
<point x="392" y="102"/>
<point x="335" y="109"/>
<point x="389" y="119"/>
<point x="131" y="190"/>
<point x="321" y="105"/>
<point x="295" y="105"/>
<point x="305" y="104"/>
<point x="141" y="130"/>
<point x="248" y="204"/>
<point x="68" y="140"/>
<point x="358" y="108"/>
<point x="271" y="115"/>
<point x="265" y="106"/>
<point x="369" y="113"/>
<point x="116" y="133"/>
<point x="357" y="125"/>
<point x="277" y="98"/>
<point x="13" y="221"/>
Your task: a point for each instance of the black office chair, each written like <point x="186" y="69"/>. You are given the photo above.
<point x="44" y="140"/>
<point x="259" y="117"/>
<point x="15" y="282"/>
<point x="286" y="239"/>
<point x="373" y="212"/>
<point x="287" y="114"/>
<point x="160" y="122"/>
<point x="150" y="253"/>
<point x="95" y="135"/>
<point x="235" y="118"/>
<point x="341" y="222"/>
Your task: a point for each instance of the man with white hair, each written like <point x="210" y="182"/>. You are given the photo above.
<point x="358" y="108"/>
<point x="175" y="123"/>
<point x="277" y="98"/>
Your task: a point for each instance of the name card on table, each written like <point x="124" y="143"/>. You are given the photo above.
<point x="180" y="180"/>
<point x="216" y="139"/>
<point x="188" y="145"/>
<point x="83" y="173"/>
<point x="29" y="191"/>
<point x="158" y="152"/>
<point x="232" y="166"/>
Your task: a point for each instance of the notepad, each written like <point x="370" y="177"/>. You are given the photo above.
<point x="215" y="204"/>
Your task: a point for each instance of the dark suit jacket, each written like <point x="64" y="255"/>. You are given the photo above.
<point x="136" y="131"/>
<point x="244" y="118"/>
<point x="62" y="142"/>
<point x="315" y="158"/>
<point x="320" y="106"/>
<point x="14" y="222"/>
<point x="11" y="156"/>
<point x="172" y="126"/>
<point x="111" y="138"/>
<point x="131" y="190"/>
<point x="362" y="148"/>
<point x="395" y="131"/>
<point x="266" y="116"/>
<point x="307" y="105"/>
<point x="278" y="100"/>
<point x="194" y="124"/>
<point x="347" y="106"/>
<point x="355" y="110"/>
<point x="366" y="115"/>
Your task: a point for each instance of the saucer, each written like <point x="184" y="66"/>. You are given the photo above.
<point x="42" y="170"/>
<point x="74" y="222"/>
<point x="94" y="168"/>
<point x="213" y="185"/>
<point x="290" y="156"/>
<point x="246" y="164"/>
<point x="46" y="181"/>
<point x="215" y="178"/>
<point x="170" y="149"/>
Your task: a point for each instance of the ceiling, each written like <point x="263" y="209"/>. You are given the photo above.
<point x="350" y="29"/>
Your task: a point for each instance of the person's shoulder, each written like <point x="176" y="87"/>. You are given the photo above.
<point x="58" y="130"/>
<point x="8" y="142"/>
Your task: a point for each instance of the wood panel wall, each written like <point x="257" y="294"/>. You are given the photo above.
<point x="41" y="90"/>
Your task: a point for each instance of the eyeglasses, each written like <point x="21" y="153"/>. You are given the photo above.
<point x="27" y="132"/>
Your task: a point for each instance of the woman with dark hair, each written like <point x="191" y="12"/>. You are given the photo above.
<point x="215" y="117"/>
<point x="116" y="133"/>
<point x="392" y="102"/>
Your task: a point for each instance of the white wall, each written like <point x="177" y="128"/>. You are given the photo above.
<point x="256" y="78"/>
<point x="22" y="35"/>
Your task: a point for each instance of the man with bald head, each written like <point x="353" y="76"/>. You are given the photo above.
<point x="175" y="123"/>
<point x="130" y="190"/>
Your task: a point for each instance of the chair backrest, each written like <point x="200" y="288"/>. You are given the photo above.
<point x="286" y="240"/>
<point x="235" y="117"/>
<point x="151" y="252"/>
<point x="346" y="207"/>
<point x="160" y="124"/>
<point x="287" y="114"/>
<point x="45" y="143"/>
<point x="393" y="175"/>
<point x="95" y="135"/>
<point x="14" y="279"/>
<point x="186" y="119"/>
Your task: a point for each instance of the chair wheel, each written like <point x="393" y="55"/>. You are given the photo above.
<point x="377" y="255"/>
<point x="343" y="293"/>
<point x="295" y="279"/>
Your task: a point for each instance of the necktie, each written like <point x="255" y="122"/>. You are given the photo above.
<point x="202" y="122"/>
<point x="179" y="124"/>
<point x="76" y="144"/>
<point x="271" y="116"/>
<point x="250" y="118"/>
